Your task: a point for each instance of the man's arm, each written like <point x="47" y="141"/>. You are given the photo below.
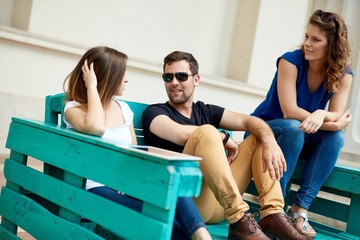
<point x="273" y="158"/>
<point x="166" y="128"/>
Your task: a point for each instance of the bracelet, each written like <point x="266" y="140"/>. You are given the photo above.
<point x="227" y="136"/>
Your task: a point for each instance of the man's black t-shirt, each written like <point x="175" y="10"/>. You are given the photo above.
<point x="201" y="114"/>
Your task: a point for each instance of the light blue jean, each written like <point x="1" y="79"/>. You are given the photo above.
<point x="187" y="218"/>
<point x="321" y="150"/>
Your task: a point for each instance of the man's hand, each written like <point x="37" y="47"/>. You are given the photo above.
<point x="273" y="159"/>
<point x="232" y="150"/>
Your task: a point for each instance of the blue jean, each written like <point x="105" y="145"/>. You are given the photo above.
<point x="321" y="150"/>
<point x="187" y="219"/>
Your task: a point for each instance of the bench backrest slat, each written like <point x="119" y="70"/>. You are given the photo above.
<point x="116" y="162"/>
<point x="110" y="214"/>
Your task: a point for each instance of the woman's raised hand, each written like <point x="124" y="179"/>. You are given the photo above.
<point x="89" y="76"/>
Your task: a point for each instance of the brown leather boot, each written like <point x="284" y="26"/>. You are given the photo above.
<point x="246" y="228"/>
<point x="279" y="225"/>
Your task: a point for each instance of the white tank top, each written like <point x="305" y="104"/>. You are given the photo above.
<point x="121" y="135"/>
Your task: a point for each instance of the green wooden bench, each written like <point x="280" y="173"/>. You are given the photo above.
<point x="23" y="141"/>
<point x="52" y="203"/>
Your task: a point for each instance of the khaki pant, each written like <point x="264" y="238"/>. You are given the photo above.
<point x="224" y="184"/>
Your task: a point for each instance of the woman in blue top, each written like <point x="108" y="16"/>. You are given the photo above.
<point x="306" y="81"/>
<point x="93" y="107"/>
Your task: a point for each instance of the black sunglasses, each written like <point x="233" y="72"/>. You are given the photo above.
<point x="181" y="76"/>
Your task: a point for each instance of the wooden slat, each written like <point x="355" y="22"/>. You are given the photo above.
<point x="137" y="108"/>
<point x="342" y="177"/>
<point x="353" y="221"/>
<point x="349" y="236"/>
<point x="110" y="215"/>
<point x="321" y="206"/>
<point x="43" y="225"/>
<point x="7" y="235"/>
<point x="123" y="170"/>
<point x="220" y="231"/>
<point x="98" y="141"/>
<point x="54" y="107"/>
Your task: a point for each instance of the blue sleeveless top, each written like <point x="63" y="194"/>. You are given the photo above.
<point x="270" y="108"/>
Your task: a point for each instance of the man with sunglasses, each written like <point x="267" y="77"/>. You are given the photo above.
<point x="192" y="128"/>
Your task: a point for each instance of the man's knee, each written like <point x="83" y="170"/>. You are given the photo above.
<point x="206" y="130"/>
<point x="203" y="134"/>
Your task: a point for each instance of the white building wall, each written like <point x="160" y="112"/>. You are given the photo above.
<point x="281" y="26"/>
<point x="145" y="30"/>
<point x="34" y="61"/>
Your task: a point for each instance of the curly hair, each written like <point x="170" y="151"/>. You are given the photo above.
<point x="338" y="55"/>
<point x="109" y="67"/>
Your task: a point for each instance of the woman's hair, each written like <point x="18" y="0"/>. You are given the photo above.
<point x="179" y="56"/>
<point x="338" y="55"/>
<point x="109" y="67"/>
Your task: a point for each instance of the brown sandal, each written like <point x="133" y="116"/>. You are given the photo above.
<point x="305" y="227"/>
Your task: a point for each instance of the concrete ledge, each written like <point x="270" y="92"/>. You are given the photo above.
<point x="350" y="155"/>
